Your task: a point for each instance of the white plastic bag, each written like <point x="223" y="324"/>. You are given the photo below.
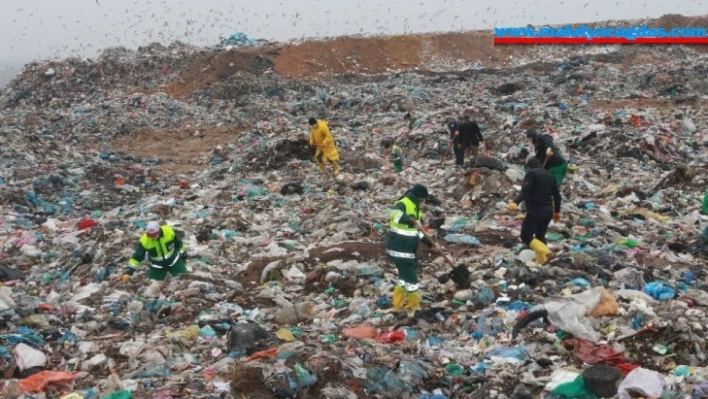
<point x="28" y="357"/>
<point x="648" y="382"/>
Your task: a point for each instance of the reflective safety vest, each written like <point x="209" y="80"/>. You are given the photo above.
<point x="163" y="251"/>
<point x="403" y="239"/>
<point x="396" y="154"/>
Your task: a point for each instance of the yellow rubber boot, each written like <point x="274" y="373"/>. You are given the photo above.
<point x="323" y="167"/>
<point x="542" y="251"/>
<point x="413" y="301"/>
<point x="399" y="297"/>
<point x="335" y="167"/>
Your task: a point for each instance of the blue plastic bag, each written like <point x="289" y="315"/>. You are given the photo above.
<point x="484" y="296"/>
<point x="579" y="281"/>
<point x="518" y="353"/>
<point x="463" y="239"/>
<point x="659" y="291"/>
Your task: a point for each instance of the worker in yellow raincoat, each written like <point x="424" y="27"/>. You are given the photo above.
<point x="321" y="138"/>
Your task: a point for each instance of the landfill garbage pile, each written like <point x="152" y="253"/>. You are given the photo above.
<point x="71" y="83"/>
<point x="289" y="291"/>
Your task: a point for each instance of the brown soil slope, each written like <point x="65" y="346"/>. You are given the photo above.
<point x="376" y="55"/>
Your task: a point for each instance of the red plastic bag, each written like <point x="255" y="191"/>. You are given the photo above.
<point x="390" y="337"/>
<point x="59" y="380"/>
<point x="87" y="224"/>
<point x="266" y="354"/>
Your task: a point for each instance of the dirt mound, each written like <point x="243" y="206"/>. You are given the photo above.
<point x="209" y="68"/>
<point x="194" y="144"/>
<point x="248" y="382"/>
<point x="679" y="21"/>
<point x="371" y="55"/>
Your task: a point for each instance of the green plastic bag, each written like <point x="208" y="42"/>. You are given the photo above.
<point x="705" y="203"/>
<point x="576" y="389"/>
<point x="123" y="394"/>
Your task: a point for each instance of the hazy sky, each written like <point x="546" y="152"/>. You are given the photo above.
<point x="32" y="29"/>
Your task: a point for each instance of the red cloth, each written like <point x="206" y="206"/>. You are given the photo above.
<point x="593" y="354"/>
<point x="87" y="224"/>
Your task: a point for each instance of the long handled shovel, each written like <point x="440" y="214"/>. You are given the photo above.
<point x="460" y="275"/>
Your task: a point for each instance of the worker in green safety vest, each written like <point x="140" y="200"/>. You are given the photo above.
<point x="405" y="223"/>
<point x="165" y="251"/>
<point x="396" y="154"/>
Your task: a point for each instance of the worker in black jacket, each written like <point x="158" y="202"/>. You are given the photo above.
<point x="466" y="139"/>
<point x="543" y="202"/>
<point x="471" y="136"/>
<point x="548" y="153"/>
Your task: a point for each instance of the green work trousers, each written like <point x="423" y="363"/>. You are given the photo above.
<point x="398" y="166"/>
<point x="406" y="269"/>
<point x="160" y="274"/>
<point x="559" y="172"/>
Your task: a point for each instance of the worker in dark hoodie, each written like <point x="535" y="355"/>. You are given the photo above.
<point x="471" y="136"/>
<point x="543" y="204"/>
<point x="548" y="153"/>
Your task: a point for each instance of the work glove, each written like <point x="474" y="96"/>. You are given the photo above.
<point x="184" y="255"/>
<point x="549" y="153"/>
<point x="512" y="207"/>
<point x="128" y="273"/>
<point x="556" y="217"/>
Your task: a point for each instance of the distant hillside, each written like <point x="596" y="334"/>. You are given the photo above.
<point x="182" y="70"/>
<point x="437" y="52"/>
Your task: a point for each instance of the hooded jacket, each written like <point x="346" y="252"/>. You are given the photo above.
<point x="542" y="142"/>
<point x="322" y="138"/>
